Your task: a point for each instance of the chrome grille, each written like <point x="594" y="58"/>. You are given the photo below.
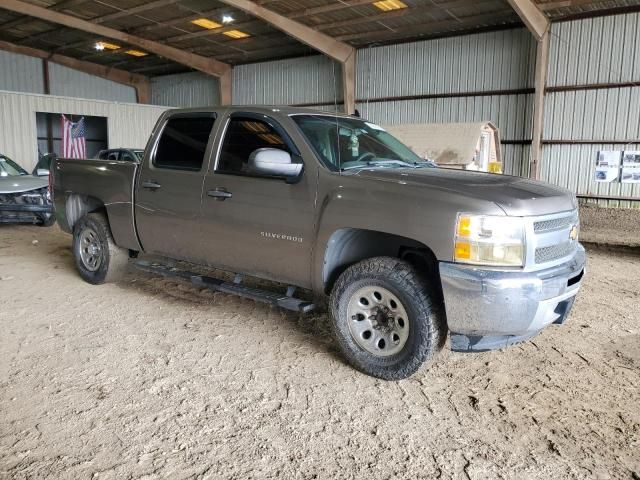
<point x="555" y="223"/>
<point x="549" y="239"/>
<point x="554" y="252"/>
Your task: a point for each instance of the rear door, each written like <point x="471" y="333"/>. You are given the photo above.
<point x="264" y="226"/>
<point x="168" y="193"/>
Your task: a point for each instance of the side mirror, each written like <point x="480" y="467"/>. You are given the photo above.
<point x="42" y="172"/>
<point x="273" y="162"/>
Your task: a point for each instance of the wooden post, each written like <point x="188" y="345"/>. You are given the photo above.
<point x="542" y="64"/>
<point x="46" y="82"/>
<point x="143" y="91"/>
<point x="226" y="88"/>
<point x="349" y="84"/>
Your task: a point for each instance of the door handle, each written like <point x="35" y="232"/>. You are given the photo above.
<point x="151" y="185"/>
<point x="219" y="194"/>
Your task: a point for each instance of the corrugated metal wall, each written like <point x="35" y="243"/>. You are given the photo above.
<point x="453" y="76"/>
<point x="307" y="80"/>
<point x="19" y="73"/>
<point x="129" y="125"/>
<point x="502" y="60"/>
<point x="72" y="83"/>
<point x="192" y="89"/>
<point x="593" y="101"/>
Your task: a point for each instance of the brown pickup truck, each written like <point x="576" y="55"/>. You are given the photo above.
<point x="403" y="251"/>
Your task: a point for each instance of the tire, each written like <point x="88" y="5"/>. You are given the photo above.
<point x="392" y="288"/>
<point x="92" y="234"/>
<point x="47" y="221"/>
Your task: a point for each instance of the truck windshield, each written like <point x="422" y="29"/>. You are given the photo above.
<point x="346" y="143"/>
<point x="9" y="168"/>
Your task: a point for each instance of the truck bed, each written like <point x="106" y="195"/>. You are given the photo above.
<point x="105" y="183"/>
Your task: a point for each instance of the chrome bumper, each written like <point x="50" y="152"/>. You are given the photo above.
<point x="488" y="309"/>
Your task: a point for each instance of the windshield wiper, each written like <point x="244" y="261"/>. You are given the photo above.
<point x="383" y="162"/>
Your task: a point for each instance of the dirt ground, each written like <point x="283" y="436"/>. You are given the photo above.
<point x="610" y="226"/>
<point x="154" y="378"/>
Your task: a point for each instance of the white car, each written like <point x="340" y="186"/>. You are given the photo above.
<point x="23" y="197"/>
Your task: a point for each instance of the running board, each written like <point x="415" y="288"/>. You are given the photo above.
<point x="236" y="288"/>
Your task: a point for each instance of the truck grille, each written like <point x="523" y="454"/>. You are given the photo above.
<point x="552" y="240"/>
<point x="554" y="252"/>
<point x="555" y="223"/>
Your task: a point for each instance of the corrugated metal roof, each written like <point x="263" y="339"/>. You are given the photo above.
<point x="357" y="22"/>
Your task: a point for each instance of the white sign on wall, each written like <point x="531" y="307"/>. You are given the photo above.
<point x="608" y="165"/>
<point x="631" y="166"/>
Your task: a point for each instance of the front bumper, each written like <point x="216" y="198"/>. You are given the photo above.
<point x="20" y="213"/>
<point x="490" y="308"/>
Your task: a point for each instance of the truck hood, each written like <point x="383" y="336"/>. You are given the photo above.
<point x="515" y="195"/>
<point x="21" y="183"/>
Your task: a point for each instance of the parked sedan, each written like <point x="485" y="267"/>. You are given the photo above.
<point x="23" y="197"/>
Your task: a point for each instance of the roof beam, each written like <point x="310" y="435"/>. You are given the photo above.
<point x="65" y="4"/>
<point x="333" y="48"/>
<point x="139" y="82"/>
<point x="209" y="66"/>
<point x="536" y="21"/>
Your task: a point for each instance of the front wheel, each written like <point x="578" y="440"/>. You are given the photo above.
<point x="386" y="318"/>
<point x="97" y="257"/>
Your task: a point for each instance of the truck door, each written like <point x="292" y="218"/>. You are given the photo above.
<point x="169" y="189"/>
<point x="253" y="223"/>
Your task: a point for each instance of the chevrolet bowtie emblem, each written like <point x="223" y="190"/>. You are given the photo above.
<point x="573" y="234"/>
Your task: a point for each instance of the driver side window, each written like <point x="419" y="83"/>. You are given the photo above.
<point x="243" y="137"/>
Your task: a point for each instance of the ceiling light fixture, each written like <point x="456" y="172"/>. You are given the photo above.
<point x="107" y="45"/>
<point x="236" y="34"/>
<point x="388" y="5"/>
<point x="227" y="19"/>
<point x="136" y="53"/>
<point x="206" y="23"/>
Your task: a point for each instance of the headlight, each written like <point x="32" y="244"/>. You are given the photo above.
<point x="488" y="240"/>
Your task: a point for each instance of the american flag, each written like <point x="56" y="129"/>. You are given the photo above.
<point x="73" y="141"/>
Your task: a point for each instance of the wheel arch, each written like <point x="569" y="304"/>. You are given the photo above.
<point x="348" y="246"/>
<point x="78" y="205"/>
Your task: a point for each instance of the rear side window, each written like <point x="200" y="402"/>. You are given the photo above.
<point x="244" y="136"/>
<point x="183" y="142"/>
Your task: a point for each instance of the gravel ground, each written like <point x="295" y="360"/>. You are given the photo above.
<point x="153" y="378"/>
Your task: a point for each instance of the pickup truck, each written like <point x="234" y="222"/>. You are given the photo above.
<point x="402" y="252"/>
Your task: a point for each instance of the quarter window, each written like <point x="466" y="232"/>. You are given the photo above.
<point x="243" y="137"/>
<point x="183" y="142"/>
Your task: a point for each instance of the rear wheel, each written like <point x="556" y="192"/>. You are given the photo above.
<point x="386" y="318"/>
<point x="97" y="257"/>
